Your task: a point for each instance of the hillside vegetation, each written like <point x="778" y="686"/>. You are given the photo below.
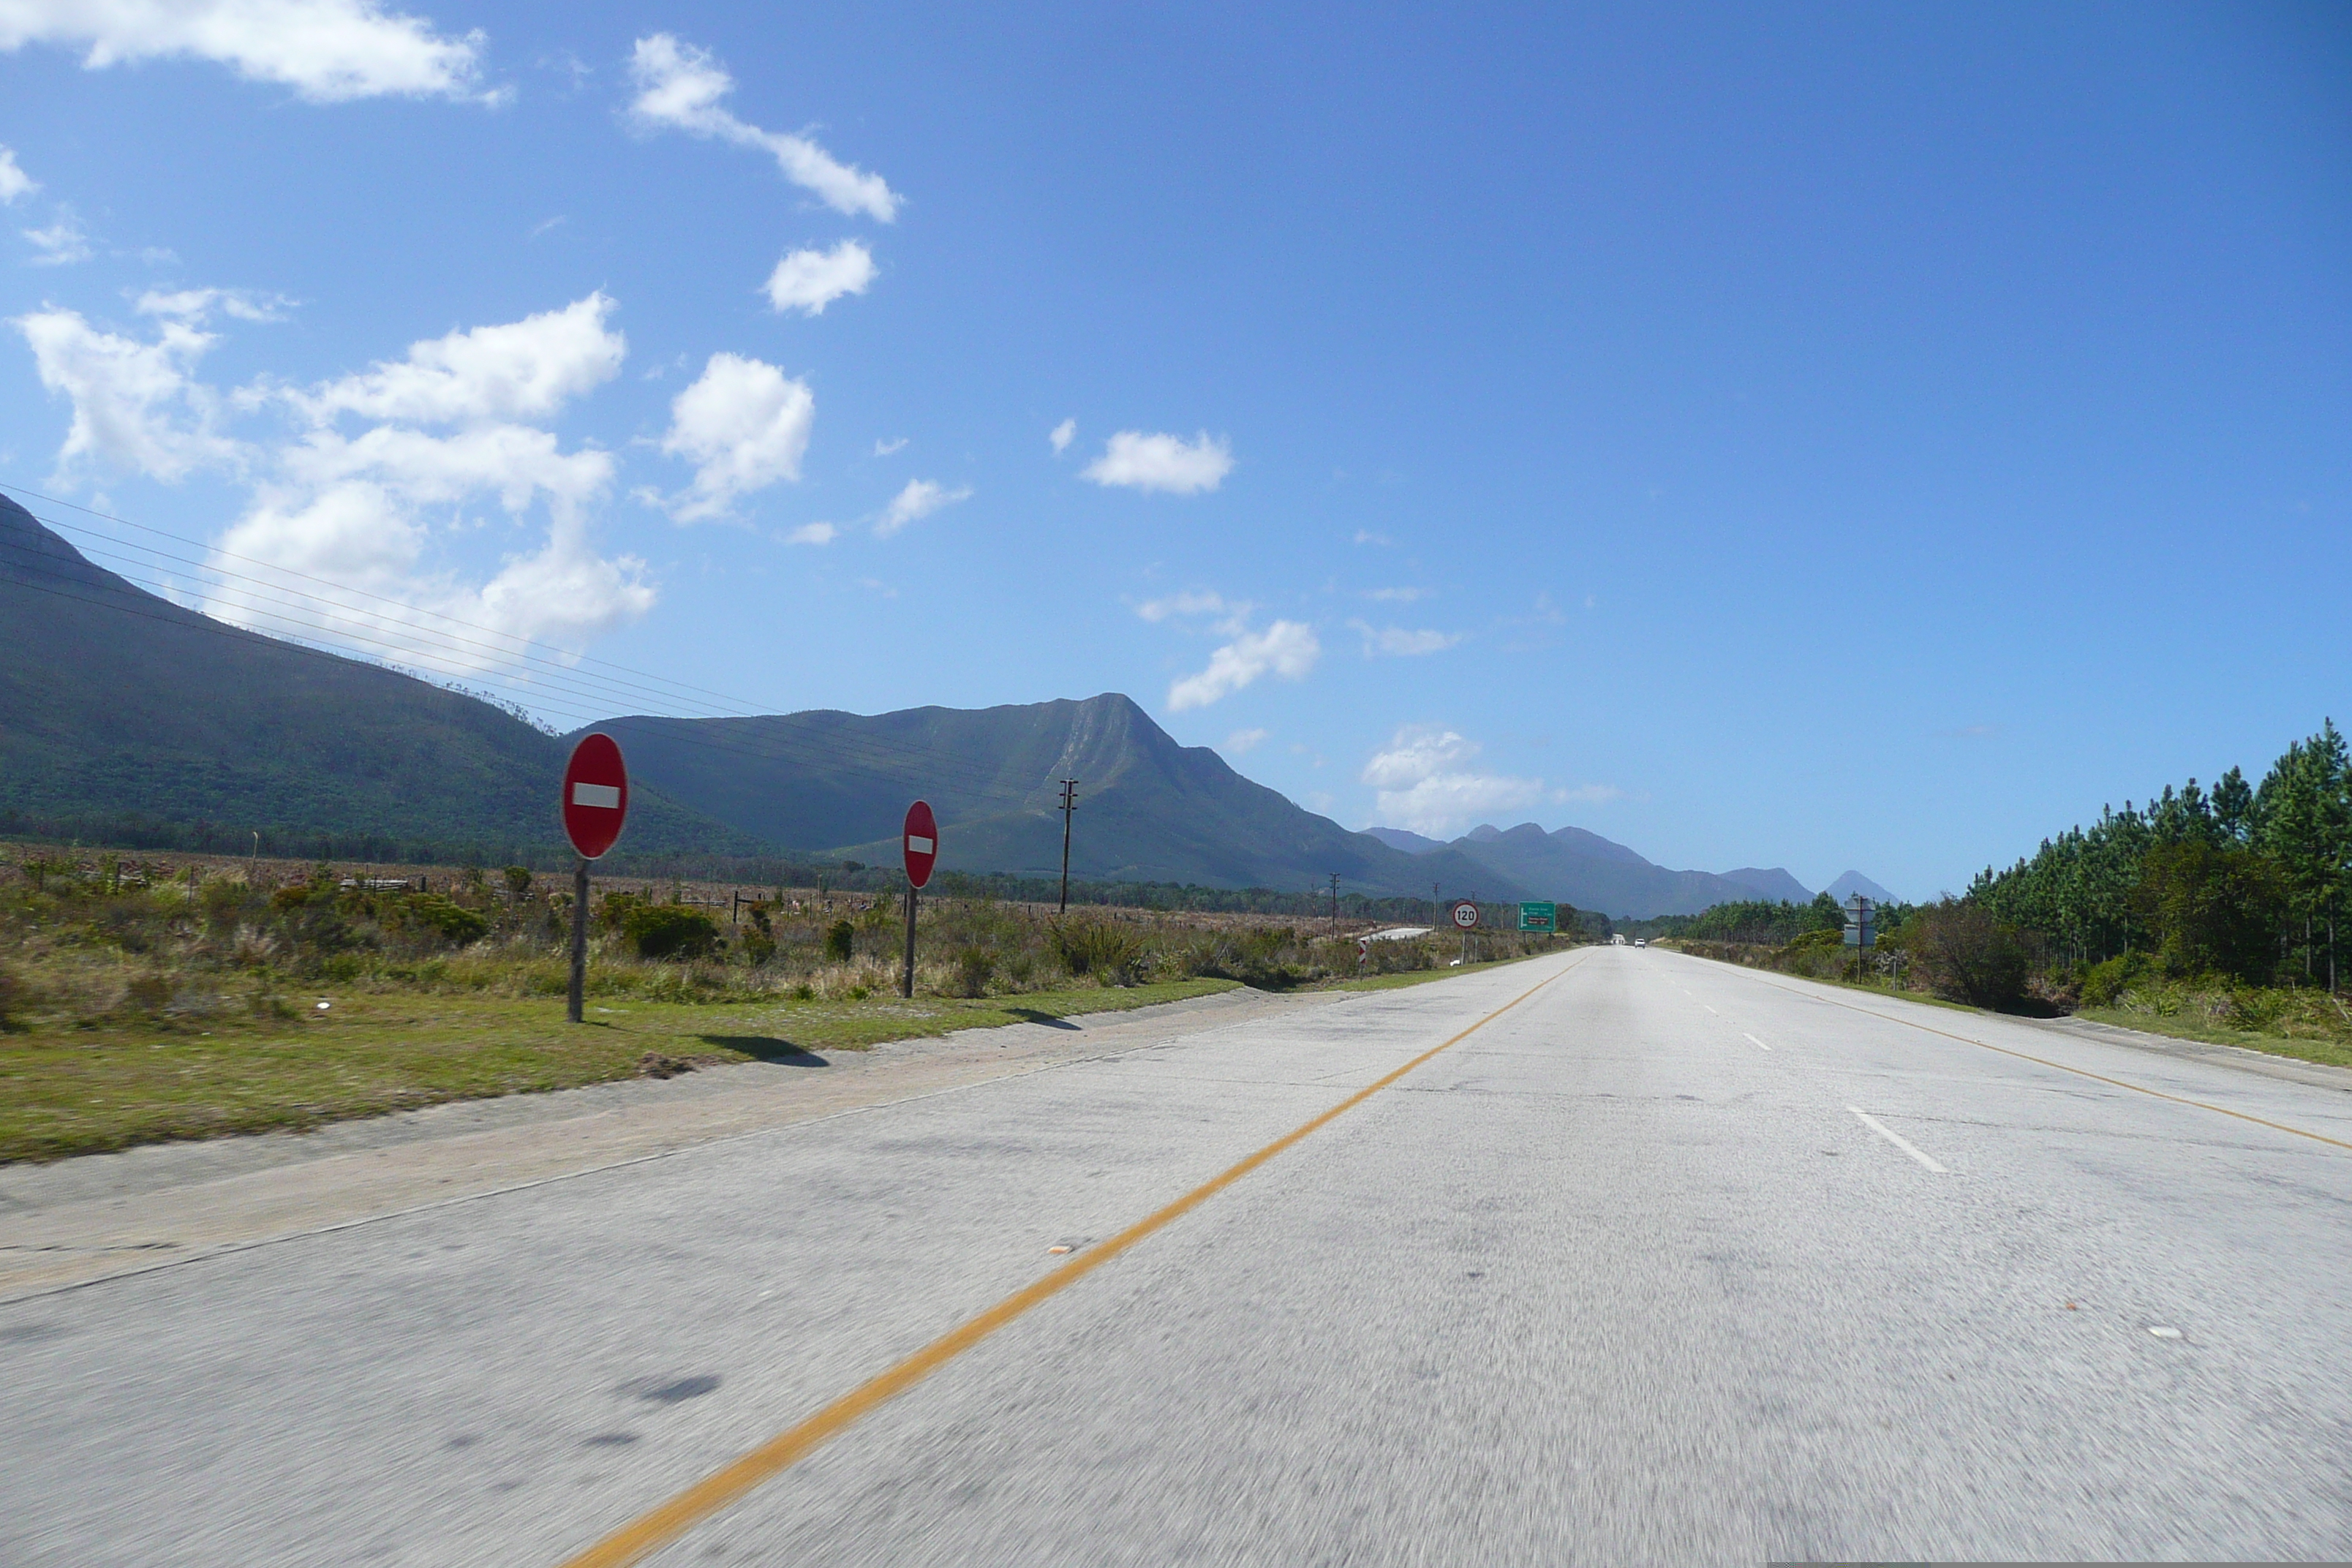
<point x="127" y="719"/>
<point x="2214" y="914"/>
<point x="142" y="998"/>
<point x="1151" y="810"/>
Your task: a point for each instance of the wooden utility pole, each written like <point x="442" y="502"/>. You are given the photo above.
<point x="1335" y="904"/>
<point x="1070" y="804"/>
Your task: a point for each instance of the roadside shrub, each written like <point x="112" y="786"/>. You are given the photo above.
<point x="975" y="968"/>
<point x="759" y="946"/>
<point x="1967" y="956"/>
<point x="147" y="994"/>
<point x="518" y="882"/>
<point x="223" y="902"/>
<point x="669" y="930"/>
<point x="452" y="923"/>
<point x="2104" y="985"/>
<point x="1108" y="953"/>
<point x="840" y="941"/>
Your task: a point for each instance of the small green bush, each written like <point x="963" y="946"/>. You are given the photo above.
<point x="975" y="967"/>
<point x="840" y="941"/>
<point x="670" y="931"/>
<point x="2104" y="983"/>
<point x="1108" y="953"/>
<point x="1967" y="956"/>
<point x="148" y="993"/>
<point x="452" y="923"/>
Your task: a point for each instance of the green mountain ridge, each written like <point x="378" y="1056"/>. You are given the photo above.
<point x="1148" y="809"/>
<point x="127" y="719"/>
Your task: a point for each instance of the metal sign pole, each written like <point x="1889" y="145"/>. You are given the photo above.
<point x="906" y="983"/>
<point x="579" y="989"/>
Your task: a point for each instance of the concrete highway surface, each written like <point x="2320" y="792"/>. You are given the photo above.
<point x="1662" y="1262"/>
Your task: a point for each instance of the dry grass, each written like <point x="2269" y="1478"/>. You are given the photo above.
<point x="88" y="1090"/>
<point x="140" y="1002"/>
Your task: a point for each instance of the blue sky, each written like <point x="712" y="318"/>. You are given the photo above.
<point x="1816" y="437"/>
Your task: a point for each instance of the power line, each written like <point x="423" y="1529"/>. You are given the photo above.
<point x="199" y="544"/>
<point x="577" y="682"/>
<point x="840" y="760"/>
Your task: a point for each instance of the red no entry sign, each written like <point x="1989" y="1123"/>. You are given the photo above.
<point x="921" y="844"/>
<point x="595" y="795"/>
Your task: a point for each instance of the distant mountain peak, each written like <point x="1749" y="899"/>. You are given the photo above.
<point x="1772" y="882"/>
<point x="1853" y="882"/>
<point x="1404" y="838"/>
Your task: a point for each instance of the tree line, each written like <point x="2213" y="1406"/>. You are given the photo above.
<point x="2240" y="879"/>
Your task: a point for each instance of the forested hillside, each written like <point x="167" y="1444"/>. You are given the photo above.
<point x="126" y="719"/>
<point x="2240" y="879"/>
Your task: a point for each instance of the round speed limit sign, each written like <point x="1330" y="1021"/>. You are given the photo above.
<point x="1465" y="914"/>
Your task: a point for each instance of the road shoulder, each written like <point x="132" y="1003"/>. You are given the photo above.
<point x="75" y="1221"/>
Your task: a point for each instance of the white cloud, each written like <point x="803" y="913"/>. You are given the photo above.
<point x="135" y="405"/>
<point x="679" y="86"/>
<point x="1424" y="783"/>
<point x="745" y="425"/>
<point x="1188" y="604"/>
<point x="1062" y="434"/>
<point x="326" y="50"/>
<point x="360" y="537"/>
<point x="194" y="305"/>
<point x="1397" y="642"/>
<point x="1588" y="795"/>
<point x="1244" y="740"/>
<point x="1162" y="463"/>
<point x="1286" y="648"/>
<point x="884" y="448"/>
<point x="62" y="244"/>
<point x="360" y="515"/>
<point x="1366" y="536"/>
<point x="1396" y="595"/>
<point x="918" y="500"/>
<point x="519" y="370"/>
<point x="13" y="181"/>
<point x="811" y="279"/>
<point x="812" y="534"/>
<point x="515" y="462"/>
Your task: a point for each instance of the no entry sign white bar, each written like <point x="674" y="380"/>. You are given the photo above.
<point x="606" y="796"/>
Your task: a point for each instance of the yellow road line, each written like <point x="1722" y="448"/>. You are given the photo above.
<point x="647" y="1534"/>
<point x="2082" y="1072"/>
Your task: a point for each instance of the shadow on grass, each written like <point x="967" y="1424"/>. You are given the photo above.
<point x="766" y="1049"/>
<point x="1032" y="1016"/>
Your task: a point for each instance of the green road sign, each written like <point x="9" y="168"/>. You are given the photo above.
<point x="1538" y="917"/>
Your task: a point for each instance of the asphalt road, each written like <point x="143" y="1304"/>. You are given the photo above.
<point x="1623" y="1275"/>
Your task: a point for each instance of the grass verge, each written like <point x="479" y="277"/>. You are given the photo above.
<point x="2327" y="1053"/>
<point x="1423" y="977"/>
<point x="84" y="1092"/>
